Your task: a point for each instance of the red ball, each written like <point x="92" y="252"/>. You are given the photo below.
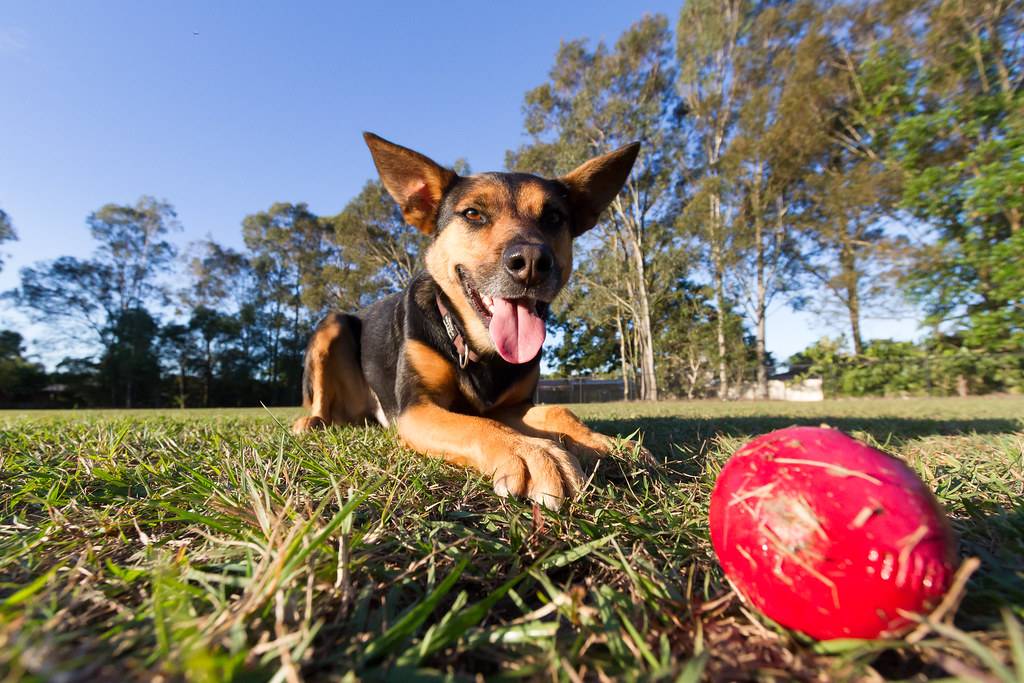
<point x="828" y="536"/>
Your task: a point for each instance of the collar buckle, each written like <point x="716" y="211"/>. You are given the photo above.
<point x="462" y="350"/>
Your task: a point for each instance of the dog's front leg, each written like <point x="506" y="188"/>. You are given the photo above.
<point x="561" y="425"/>
<point x="517" y="464"/>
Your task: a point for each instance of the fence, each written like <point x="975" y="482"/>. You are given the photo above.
<point x="578" y="390"/>
<point x="590" y="390"/>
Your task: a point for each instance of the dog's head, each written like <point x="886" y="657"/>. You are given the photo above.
<point x="502" y="246"/>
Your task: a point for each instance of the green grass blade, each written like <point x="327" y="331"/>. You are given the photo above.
<point x="411" y="621"/>
<point x="571" y="555"/>
<point x="24" y="594"/>
<point x="693" y="670"/>
<point x="1016" y="638"/>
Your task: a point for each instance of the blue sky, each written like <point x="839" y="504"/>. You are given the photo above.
<point x="224" y="108"/>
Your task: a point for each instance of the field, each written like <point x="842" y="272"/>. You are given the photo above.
<point x="214" y="545"/>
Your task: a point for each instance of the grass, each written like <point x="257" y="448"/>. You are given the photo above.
<point x="214" y="545"/>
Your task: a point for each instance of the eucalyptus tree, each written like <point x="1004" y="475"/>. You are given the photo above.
<point x="708" y="37"/>
<point x="774" y="138"/>
<point x="961" y="149"/>
<point x="851" y="189"/>
<point x="378" y="252"/>
<point x="125" y="271"/>
<point x="597" y="99"/>
<point x="107" y="299"/>
<point x="292" y="254"/>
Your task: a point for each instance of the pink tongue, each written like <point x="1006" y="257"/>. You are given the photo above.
<point x="516" y="330"/>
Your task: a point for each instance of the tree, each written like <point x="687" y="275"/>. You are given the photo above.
<point x="219" y="277"/>
<point x="588" y="316"/>
<point x="773" y="143"/>
<point x="292" y="256"/>
<point x="21" y="380"/>
<point x="123" y="274"/>
<point x="825" y="358"/>
<point x="7" y="233"/>
<point x="133" y="249"/>
<point x="707" y="37"/>
<point x="129" y="367"/>
<point x="177" y="351"/>
<point x="380" y="252"/>
<point x="597" y="100"/>
<point x="79" y="384"/>
<point x="962" y="153"/>
<point x="68" y="290"/>
<point x="219" y="305"/>
<point x="107" y="295"/>
<point x="850" y="191"/>
<point x="688" y="324"/>
<point x="212" y="327"/>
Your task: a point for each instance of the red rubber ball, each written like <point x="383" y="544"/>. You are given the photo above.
<point x="828" y="536"/>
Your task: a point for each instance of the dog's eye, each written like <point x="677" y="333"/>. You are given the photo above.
<point x="551" y="218"/>
<point x="473" y="216"/>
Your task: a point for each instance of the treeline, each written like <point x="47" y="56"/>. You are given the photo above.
<point x="892" y="368"/>
<point x="855" y="159"/>
<point x="851" y="158"/>
<point x="212" y="326"/>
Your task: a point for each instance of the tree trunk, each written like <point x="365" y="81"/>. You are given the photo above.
<point x="207" y="375"/>
<point x="181" y="381"/>
<point x="633" y="247"/>
<point x="762" y="365"/>
<point x="692" y="375"/>
<point x="274" y="349"/>
<point x="646" y="337"/>
<point x="848" y="264"/>
<point x="623" y="355"/>
<point x="717" y="259"/>
<point x="761" y="307"/>
<point x="858" y="343"/>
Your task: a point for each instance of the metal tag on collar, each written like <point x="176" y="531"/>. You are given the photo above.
<point x="449" y="326"/>
<point x="461" y="349"/>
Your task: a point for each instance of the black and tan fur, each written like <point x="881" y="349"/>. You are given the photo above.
<point x="395" y="362"/>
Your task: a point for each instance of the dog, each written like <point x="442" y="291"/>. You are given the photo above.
<point x="453" y="361"/>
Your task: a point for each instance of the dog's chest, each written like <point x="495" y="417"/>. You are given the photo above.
<point x="486" y="386"/>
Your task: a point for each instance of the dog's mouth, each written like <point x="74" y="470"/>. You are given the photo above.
<point x="515" y="324"/>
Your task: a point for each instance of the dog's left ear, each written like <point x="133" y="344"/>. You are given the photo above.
<point x="416" y="182"/>
<point x="594" y="184"/>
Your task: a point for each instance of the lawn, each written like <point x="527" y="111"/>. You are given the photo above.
<point x="214" y="545"/>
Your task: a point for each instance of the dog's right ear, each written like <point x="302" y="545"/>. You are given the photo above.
<point x="414" y="181"/>
<point x="593" y="185"/>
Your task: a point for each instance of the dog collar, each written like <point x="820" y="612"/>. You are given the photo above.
<point x="464" y="353"/>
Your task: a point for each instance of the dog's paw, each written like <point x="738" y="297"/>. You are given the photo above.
<point x="308" y="423"/>
<point x="540" y="470"/>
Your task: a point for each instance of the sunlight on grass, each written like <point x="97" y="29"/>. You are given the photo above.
<point x="214" y="545"/>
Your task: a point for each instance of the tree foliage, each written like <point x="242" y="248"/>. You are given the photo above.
<point x="961" y="149"/>
<point x="7" y="233"/>
<point x="124" y="273"/>
<point x="598" y="99"/>
<point x="380" y="251"/>
<point x="21" y="380"/>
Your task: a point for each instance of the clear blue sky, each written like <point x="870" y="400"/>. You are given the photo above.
<point x="224" y="108"/>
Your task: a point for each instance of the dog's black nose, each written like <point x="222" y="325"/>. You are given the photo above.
<point x="529" y="264"/>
